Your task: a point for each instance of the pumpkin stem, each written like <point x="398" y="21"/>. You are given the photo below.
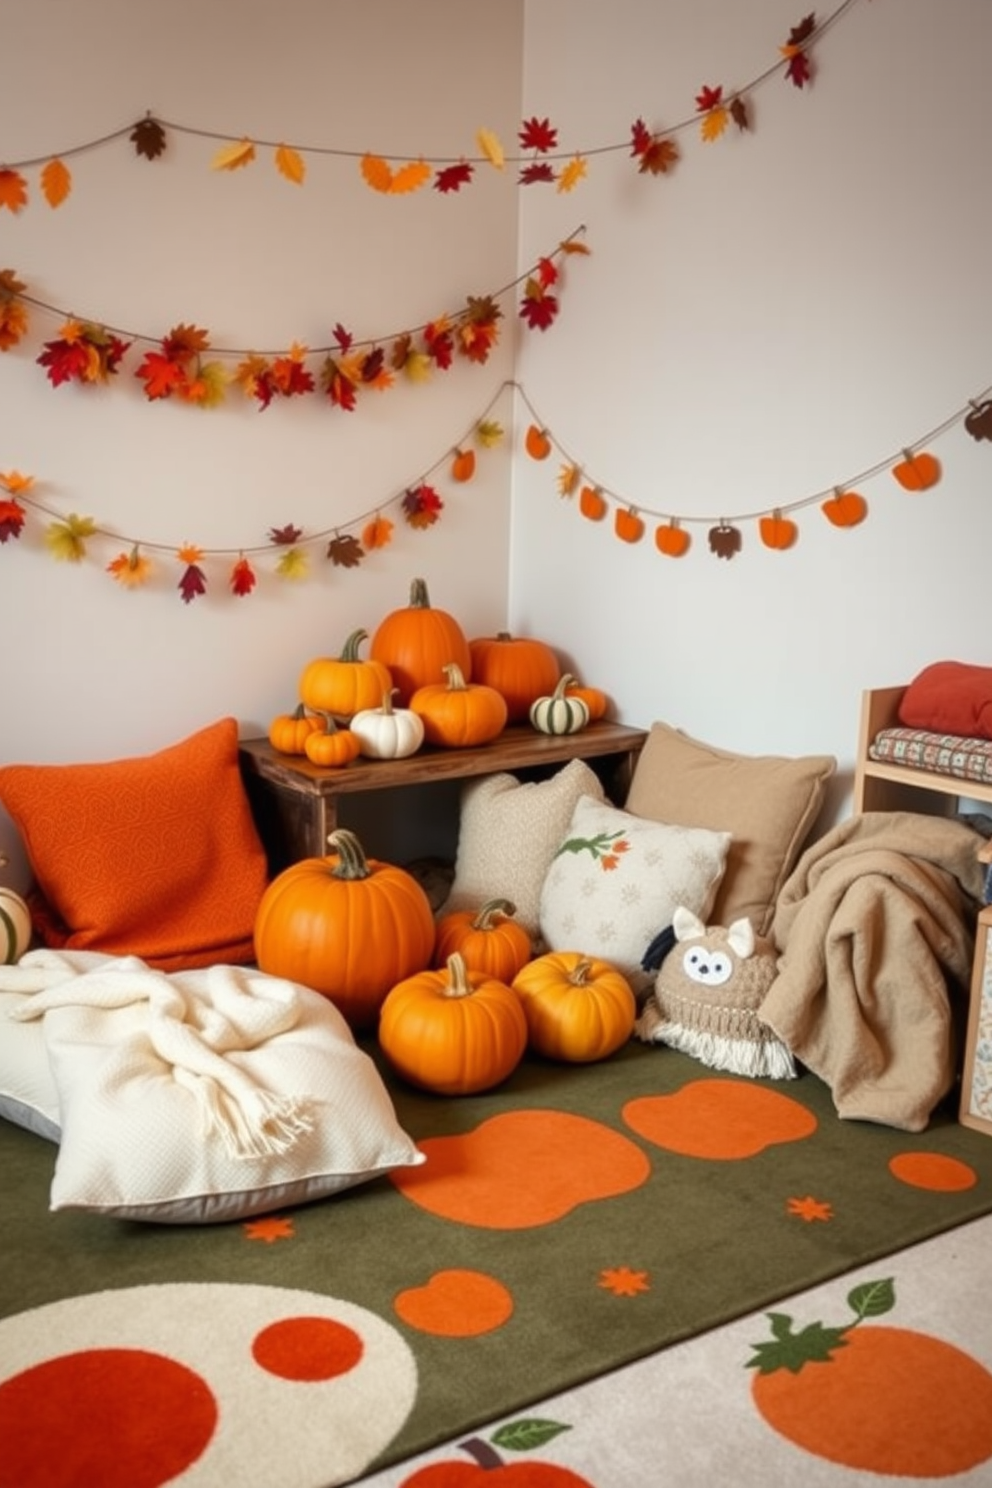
<point x="492" y="910"/>
<point x="349" y="651"/>
<point x="419" y="598"/>
<point x="565" y="681"/>
<point x="455" y="676"/>
<point x="352" y="862"/>
<point x="387" y="699"/>
<point x="458" y="984"/>
<point x="579" y="975"/>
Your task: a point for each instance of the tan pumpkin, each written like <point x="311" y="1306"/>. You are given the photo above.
<point x="453" y="1031"/>
<point x="458" y="714"/>
<point x="521" y="668"/>
<point x="489" y="940"/>
<point x="559" y="713"/>
<point x="348" y="926"/>
<point x="343" y="685"/>
<point x="15" y="923"/>
<point x="578" y="1008"/>
<point x="288" y="732"/>
<point x="417" y="642"/>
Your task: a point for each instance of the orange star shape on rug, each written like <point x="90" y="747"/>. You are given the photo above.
<point x="623" y="1282"/>
<point x="270" y="1229"/>
<point x="810" y="1209"/>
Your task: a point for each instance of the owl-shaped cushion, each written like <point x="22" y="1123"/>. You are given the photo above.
<point x="706" y="997"/>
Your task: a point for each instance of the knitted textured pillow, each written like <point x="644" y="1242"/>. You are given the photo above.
<point x="155" y="856"/>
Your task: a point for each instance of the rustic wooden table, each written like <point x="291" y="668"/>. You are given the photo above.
<point x="296" y="803"/>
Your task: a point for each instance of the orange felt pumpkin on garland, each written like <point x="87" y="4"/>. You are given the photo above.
<point x="845" y="508"/>
<point x="288" y="732"/>
<point x="627" y="525"/>
<point x="463" y="465"/>
<point x="416" y="643"/>
<point x="537" y="443"/>
<point x="917" y="472"/>
<point x="592" y="503"/>
<point x="453" y="1031"/>
<point x="671" y="539"/>
<point x="578" y="1008"/>
<point x="778" y="531"/>
<point x="344" y="684"/>
<point x="519" y="667"/>
<point x="459" y="714"/>
<point x="348" y="926"/>
<point x="489" y="940"/>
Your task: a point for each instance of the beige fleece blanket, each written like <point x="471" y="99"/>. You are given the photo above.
<point x="875" y="933"/>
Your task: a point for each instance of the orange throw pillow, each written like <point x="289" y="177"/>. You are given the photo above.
<point x="156" y="856"/>
<point x="950" y="697"/>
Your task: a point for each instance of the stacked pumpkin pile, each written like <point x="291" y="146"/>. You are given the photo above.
<point x="425" y="681"/>
<point x="456" y="1003"/>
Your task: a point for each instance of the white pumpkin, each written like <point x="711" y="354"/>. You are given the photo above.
<point x="15" y="924"/>
<point x="388" y="732"/>
<point x="559" y="714"/>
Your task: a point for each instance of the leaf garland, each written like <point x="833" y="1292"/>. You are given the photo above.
<point x="179" y="367"/>
<point x="539" y="163"/>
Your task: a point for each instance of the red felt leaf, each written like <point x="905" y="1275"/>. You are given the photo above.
<point x="538" y="134"/>
<point x="285" y="536"/>
<point x="453" y="177"/>
<point x="148" y="139"/>
<point x="11" y="518"/>
<point x="192" y="583"/>
<point x="708" y="98"/>
<point x="640" y="137"/>
<point x="799" y="71"/>
<point x="547" y="273"/>
<point x="372" y="364"/>
<point x="341" y="391"/>
<point x="290" y="377"/>
<point x="540" y="170"/>
<point x="345" y="551"/>
<point x="185" y="342"/>
<point x="440" y="348"/>
<point x="65" y="360"/>
<point x="242" y="578"/>
<point x="422" y="506"/>
<point x="539" y="310"/>
<point x="160" y="374"/>
<point x="342" y="337"/>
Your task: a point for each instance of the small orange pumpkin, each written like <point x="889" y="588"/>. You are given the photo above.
<point x="489" y="940"/>
<point x="459" y="714"/>
<point x="627" y="525"/>
<point x="594" y="698"/>
<point x="778" y="531"/>
<point x="671" y="539"/>
<point x="345" y="684"/>
<point x="521" y="668"/>
<point x="453" y="1031"/>
<point x="347" y="926"/>
<point x="537" y="443"/>
<point x="332" y="747"/>
<point x="578" y="1008"/>
<point x="917" y="472"/>
<point x="288" y="732"/>
<point x="416" y="643"/>
<point x="845" y="508"/>
<point x="592" y="503"/>
<point x="463" y="465"/>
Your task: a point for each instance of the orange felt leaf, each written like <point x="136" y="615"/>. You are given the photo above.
<point x="56" y="183"/>
<point x="377" y="534"/>
<point x="13" y="190"/>
<point x="290" y="163"/>
<point x="410" y="178"/>
<point x="376" y="172"/>
<point x="13" y="323"/>
<point x="232" y="157"/>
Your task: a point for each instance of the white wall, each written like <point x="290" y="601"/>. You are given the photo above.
<point x="787" y="309"/>
<point x="98" y="672"/>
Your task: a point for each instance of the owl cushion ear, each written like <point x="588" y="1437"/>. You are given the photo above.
<point x="740" y="937"/>
<point x="687" y="926"/>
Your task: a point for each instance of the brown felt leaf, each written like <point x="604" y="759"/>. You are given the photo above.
<point x="724" y="540"/>
<point x="659" y="156"/>
<point x="148" y="138"/>
<point x="738" y="112"/>
<point x="56" y="183"/>
<point x="345" y="551"/>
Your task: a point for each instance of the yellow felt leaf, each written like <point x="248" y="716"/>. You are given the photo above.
<point x="489" y="433"/>
<point x="568" y="479"/>
<point x="56" y="183"/>
<point x="418" y="366"/>
<point x="214" y="378"/>
<point x="713" y="123"/>
<point x="490" y="146"/>
<point x="290" y="163"/>
<point x="410" y="177"/>
<point x="294" y="564"/>
<point x="377" y="534"/>
<point x="377" y="172"/>
<point x="67" y="540"/>
<point x="572" y="174"/>
<point x="232" y="157"/>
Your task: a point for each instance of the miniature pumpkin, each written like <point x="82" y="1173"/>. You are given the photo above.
<point x="288" y="732"/>
<point x="459" y="714"/>
<point x="537" y="443"/>
<point x="463" y="465"/>
<point x="592" y="503"/>
<point x="519" y="667"/>
<point x="417" y="642"/>
<point x="387" y="732"/>
<point x="489" y="940"/>
<point x="777" y="531"/>
<point x="671" y="539"/>
<point x="344" y="684"/>
<point x="845" y="508"/>
<point x="917" y="472"/>
<point x="331" y="747"/>
<point x="578" y="1008"/>
<point x="453" y="1031"/>
<point x="594" y="698"/>
<point x="348" y="926"/>
<point x="559" y="713"/>
<point x="15" y="924"/>
<point x="627" y="525"/>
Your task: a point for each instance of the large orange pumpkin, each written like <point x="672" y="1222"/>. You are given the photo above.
<point x="459" y="714"/>
<point x="344" y="684"/>
<point x="453" y="1031"/>
<point x="578" y="1008"/>
<point x="489" y="940"/>
<point x="416" y="643"/>
<point x="521" y="668"/>
<point x="348" y="926"/>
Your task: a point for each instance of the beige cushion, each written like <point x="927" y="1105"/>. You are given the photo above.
<point x="616" y="880"/>
<point x="768" y="804"/>
<point x="508" y="833"/>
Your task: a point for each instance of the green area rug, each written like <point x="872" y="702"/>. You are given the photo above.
<point x="564" y="1224"/>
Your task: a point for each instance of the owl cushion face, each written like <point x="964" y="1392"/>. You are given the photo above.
<point x="706" y="998"/>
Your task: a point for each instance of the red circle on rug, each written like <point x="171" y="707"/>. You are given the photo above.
<point x="123" y="1418"/>
<point x="307" y="1348"/>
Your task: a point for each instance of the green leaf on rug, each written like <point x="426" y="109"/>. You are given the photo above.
<point x="524" y="1436"/>
<point x="791" y="1350"/>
